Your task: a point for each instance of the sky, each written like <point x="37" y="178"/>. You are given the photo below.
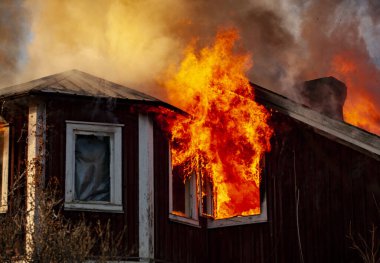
<point x="134" y="42"/>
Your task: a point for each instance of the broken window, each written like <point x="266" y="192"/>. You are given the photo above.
<point x="4" y="159"/>
<point x="183" y="201"/>
<point x="195" y="195"/>
<point x="209" y="202"/>
<point x="93" y="166"/>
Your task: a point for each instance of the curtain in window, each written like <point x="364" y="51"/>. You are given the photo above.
<point x="92" y="168"/>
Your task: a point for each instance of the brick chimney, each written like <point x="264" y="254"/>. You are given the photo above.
<point x="325" y="95"/>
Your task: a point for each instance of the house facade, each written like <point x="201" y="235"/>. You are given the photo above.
<point x="103" y="144"/>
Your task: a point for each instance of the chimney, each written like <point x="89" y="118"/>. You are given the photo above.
<point x="325" y="95"/>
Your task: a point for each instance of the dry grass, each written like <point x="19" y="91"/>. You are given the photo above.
<point x="55" y="238"/>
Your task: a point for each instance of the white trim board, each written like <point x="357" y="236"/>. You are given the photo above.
<point x="146" y="187"/>
<point x="36" y="158"/>
<point x="4" y="173"/>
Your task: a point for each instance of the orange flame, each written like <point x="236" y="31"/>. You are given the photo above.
<point x="360" y="108"/>
<point x="227" y="135"/>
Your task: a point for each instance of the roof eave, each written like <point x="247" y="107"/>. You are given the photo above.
<point x="343" y="132"/>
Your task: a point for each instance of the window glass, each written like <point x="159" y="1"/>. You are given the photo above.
<point x="92" y="168"/>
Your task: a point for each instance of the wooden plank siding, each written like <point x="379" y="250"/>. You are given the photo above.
<point x="334" y="184"/>
<point x="337" y="187"/>
<point x="174" y="242"/>
<point x="59" y="109"/>
<point x="15" y="112"/>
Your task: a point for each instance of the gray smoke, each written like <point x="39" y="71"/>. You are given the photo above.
<point x="14" y="33"/>
<point x="291" y="40"/>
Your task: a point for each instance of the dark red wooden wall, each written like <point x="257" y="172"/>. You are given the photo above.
<point x="327" y="187"/>
<point x="174" y="242"/>
<point x="336" y="187"/>
<point x="59" y="109"/>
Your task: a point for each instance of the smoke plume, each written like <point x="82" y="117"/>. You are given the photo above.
<point x="13" y="38"/>
<point x="134" y="42"/>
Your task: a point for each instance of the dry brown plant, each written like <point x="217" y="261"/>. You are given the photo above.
<point x="55" y="238"/>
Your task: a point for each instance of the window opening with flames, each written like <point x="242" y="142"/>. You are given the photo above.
<point x="227" y="134"/>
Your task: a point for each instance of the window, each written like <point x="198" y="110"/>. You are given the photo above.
<point x="183" y="201"/>
<point x="193" y="197"/>
<point x="4" y="159"/>
<point x="208" y="203"/>
<point x="93" y="166"/>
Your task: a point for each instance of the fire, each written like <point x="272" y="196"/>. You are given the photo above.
<point x="360" y="108"/>
<point x="226" y="137"/>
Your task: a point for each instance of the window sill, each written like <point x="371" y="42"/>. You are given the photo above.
<point x="240" y="220"/>
<point x="184" y="220"/>
<point x="236" y="221"/>
<point x="94" y="207"/>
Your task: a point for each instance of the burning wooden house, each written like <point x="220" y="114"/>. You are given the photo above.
<point x="112" y="157"/>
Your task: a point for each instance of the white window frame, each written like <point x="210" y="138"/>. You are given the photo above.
<point x="241" y="220"/>
<point x="191" y="195"/>
<point x="114" y="131"/>
<point x="237" y="220"/>
<point x="197" y="207"/>
<point x="4" y="172"/>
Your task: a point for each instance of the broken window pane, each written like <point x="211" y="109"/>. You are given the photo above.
<point x="207" y="201"/>
<point x="179" y="192"/>
<point x="92" y="168"/>
<point x="183" y="193"/>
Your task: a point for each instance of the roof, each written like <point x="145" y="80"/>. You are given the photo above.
<point x="340" y="131"/>
<point x="75" y="82"/>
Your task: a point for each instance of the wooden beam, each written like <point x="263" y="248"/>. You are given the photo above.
<point x="146" y="189"/>
<point x="36" y="168"/>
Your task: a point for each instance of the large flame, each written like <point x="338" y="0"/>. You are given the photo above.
<point x="227" y="135"/>
<point x="360" y="109"/>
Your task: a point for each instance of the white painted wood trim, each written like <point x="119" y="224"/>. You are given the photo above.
<point x="184" y="220"/>
<point x="193" y="219"/>
<point x="94" y="207"/>
<point x="35" y="158"/>
<point x="5" y="171"/>
<point x="209" y="200"/>
<point x="96" y="123"/>
<point x="241" y="220"/>
<point x="146" y="188"/>
<point x="104" y="129"/>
